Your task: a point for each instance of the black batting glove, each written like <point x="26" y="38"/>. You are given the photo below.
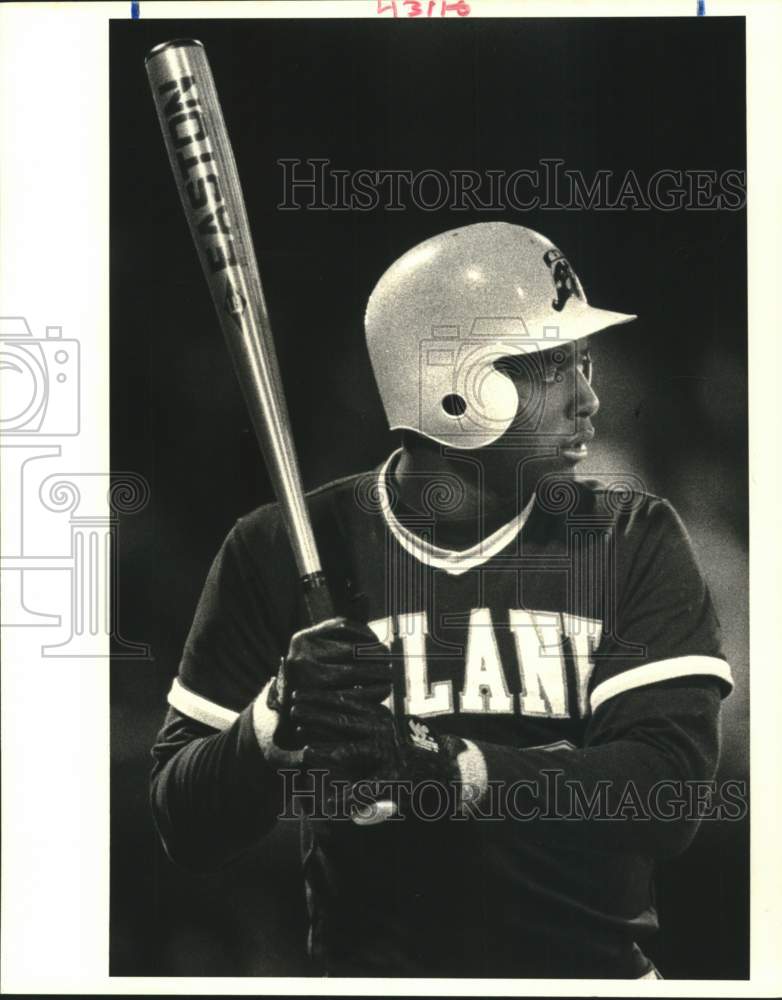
<point x="356" y="741"/>
<point x="325" y="661"/>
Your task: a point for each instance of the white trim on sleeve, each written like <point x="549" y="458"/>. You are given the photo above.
<point x="661" y="670"/>
<point x="201" y="709"/>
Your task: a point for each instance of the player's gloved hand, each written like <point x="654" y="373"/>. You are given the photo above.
<point x="322" y="661"/>
<point x="356" y="741"/>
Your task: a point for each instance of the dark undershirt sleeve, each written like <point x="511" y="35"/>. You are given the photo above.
<point x="646" y="746"/>
<point x="212" y="793"/>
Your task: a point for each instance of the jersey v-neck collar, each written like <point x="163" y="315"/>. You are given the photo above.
<point x="452" y="561"/>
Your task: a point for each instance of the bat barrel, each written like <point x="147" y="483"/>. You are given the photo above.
<point x="202" y="160"/>
<point x="172" y="44"/>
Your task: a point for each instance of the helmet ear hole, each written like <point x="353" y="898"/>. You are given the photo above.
<point x="454" y="404"/>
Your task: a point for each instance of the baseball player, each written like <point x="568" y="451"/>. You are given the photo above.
<point x="492" y="744"/>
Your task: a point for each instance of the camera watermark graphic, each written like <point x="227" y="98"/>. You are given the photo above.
<point x="489" y="385"/>
<point x="60" y="527"/>
<point x="313" y="184"/>
<point x="40" y="381"/>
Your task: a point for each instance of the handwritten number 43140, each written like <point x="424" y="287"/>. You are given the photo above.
<point x="423" y="8"/>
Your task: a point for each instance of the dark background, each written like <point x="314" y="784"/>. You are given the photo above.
<point x="614" y="94"/>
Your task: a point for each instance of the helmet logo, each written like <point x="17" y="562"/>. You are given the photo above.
<point x="565" y="281"/>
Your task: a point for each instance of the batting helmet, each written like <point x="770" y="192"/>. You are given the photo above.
<point x="445" y="311"/>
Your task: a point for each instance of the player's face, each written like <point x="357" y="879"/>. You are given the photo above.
<point x="553" y="424"/>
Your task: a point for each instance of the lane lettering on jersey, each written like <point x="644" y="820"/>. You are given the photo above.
<point x="485" y="688"/>
<point x="539" y="648"/>
<point x="554" y="662"/>
<point x="421" y="697"/>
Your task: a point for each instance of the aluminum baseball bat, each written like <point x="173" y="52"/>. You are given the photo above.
<point x="208" y="183"/>
<point x="207" y="179"/>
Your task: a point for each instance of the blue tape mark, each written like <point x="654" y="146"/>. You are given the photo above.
<point x="135" y="11"/>
<point x="701" y="8"/>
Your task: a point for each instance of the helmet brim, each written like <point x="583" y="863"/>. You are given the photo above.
<point x="595" y="320"/>
<point x="584" y="323"/>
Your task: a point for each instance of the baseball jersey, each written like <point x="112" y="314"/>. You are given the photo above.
<point x="579" y="638"/>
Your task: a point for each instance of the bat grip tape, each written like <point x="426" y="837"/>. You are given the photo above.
<point x="317" y="597"/>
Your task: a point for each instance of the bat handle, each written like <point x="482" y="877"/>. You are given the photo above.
<point x="317" y="597"/>
<point x="320" y="607"/>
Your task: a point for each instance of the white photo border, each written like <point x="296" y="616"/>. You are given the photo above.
<point x="54" y="270"/>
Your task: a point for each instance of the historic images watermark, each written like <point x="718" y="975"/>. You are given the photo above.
<point x="550" y="797"/>
<point x="315" y="185"/>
